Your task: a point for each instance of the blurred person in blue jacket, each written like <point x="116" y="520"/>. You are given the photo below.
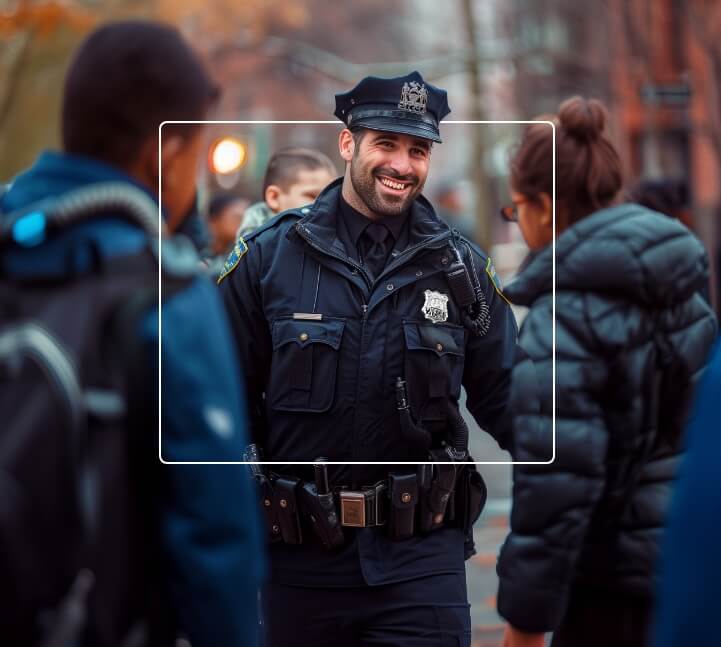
<point x="127" y="78"/>
<point x="690" y="599"/>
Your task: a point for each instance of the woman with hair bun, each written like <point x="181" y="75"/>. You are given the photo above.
<point x="631" y="337"/>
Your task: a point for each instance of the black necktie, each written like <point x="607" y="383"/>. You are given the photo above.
<point x="374" y="248"/>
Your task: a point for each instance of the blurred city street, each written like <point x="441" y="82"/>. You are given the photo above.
<point x="301" y="229"/>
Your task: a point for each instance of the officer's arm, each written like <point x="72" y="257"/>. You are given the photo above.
<point x="489" y="360"/>
<point x="241" y="293"/>
<point x="208" y="518"/>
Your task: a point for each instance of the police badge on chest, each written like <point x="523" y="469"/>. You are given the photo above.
<point x="435" y="309"/>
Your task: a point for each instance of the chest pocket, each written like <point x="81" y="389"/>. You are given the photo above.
<point x="305" y="362"/>
<point x="433" y="365"/>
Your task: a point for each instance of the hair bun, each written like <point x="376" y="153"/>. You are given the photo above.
<point x="584" y="119"/>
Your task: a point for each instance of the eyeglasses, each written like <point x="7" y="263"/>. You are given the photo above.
<point x="510" y="212"/>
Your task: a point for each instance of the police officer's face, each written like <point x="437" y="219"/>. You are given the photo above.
<point x="388" y="170"/>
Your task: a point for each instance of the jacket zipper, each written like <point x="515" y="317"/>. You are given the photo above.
<point x="364" y="319"/>
<point x="404" y="256"/>
<point x="312" y="241"/>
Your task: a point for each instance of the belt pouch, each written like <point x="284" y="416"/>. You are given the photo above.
<point x="286" y="503"/>
<point x="404" y="497"/>
<point x="471" y="496"/>
<point x="270" y="512"/>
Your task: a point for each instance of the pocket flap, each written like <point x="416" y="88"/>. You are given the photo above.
<point x="442" y="339"/>
<point x="304" y="332"/>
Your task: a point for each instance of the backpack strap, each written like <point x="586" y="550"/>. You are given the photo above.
<point x="614" y="505"/>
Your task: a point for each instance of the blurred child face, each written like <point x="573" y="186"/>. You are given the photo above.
<point x="180" y="154"/>
<point x="535" y="219"/>
<point x="304" y="190"/>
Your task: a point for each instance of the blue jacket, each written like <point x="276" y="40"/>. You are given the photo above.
<point x="207" y="519"/>
<point x="690" y="601"/>
<point x="324" y="385"/>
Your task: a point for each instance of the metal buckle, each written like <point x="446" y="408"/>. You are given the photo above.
<point x="352" y="509"/>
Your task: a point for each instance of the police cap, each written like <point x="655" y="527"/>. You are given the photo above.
<point x="404" y="104"/>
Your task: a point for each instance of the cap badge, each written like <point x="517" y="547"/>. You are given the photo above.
<point x="435" y="308"/>
<point x="414" y="97"/>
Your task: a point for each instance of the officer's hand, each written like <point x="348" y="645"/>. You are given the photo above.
<point x="512" y="637"/>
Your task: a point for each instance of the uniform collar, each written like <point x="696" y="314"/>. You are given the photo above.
<point x="356" y="222"/>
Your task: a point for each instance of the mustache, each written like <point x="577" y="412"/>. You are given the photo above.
<point x="388" y="172"/>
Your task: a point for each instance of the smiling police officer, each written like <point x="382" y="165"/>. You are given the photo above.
<point x="358" y="319"/>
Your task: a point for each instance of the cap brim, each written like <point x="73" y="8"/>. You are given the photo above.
<point x="400" y="125"/>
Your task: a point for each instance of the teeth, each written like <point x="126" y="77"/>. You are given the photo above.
<point x="391" y="184"/>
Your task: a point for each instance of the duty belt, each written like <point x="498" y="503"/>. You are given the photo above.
<point x="404" y="504"/>
<point x="363" y="508"/>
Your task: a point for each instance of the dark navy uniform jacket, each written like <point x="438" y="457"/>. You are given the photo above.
<point x="325" y="385"/>
<point x="208" y="528"/>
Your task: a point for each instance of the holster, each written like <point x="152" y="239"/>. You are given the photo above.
<point x="470" y="497"/>
<point x="321" y="512"/>
<point x="403" y="501"/>
<point x="436" y="484"/>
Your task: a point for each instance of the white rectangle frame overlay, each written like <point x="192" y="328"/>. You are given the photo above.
<point x="335" y="122"/>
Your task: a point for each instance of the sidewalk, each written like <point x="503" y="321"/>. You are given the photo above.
<point x="489" y="534"/>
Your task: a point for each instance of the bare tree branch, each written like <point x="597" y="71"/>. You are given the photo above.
<point x="19" y="53"/>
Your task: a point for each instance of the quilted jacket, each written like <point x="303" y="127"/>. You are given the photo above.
<point x="632" y="337"/>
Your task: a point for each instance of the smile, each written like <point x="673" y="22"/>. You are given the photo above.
<point x="394" y="184"/>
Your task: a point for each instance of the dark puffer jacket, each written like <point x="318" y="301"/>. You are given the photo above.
<point x="627" y="303"/>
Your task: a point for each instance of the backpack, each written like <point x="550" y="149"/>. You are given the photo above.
<point x="79" y="439"/>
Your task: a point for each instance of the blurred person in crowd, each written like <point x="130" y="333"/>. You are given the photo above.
<point x="294" y="178"/>
<point x="358" y="319"/>
<point x="225" y="213"/>
<point x="669" y="197"/>
<point x="449" y="201"/>
<point x="690" y="596"/>
<point x="632" y="334"/>
<point x="174" y="549"/>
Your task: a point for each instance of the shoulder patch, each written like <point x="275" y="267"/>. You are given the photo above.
<point x="239" y="250"/>
<point x="495" y="279"/>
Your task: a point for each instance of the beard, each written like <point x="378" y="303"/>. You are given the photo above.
<point x="365" y="184"/>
